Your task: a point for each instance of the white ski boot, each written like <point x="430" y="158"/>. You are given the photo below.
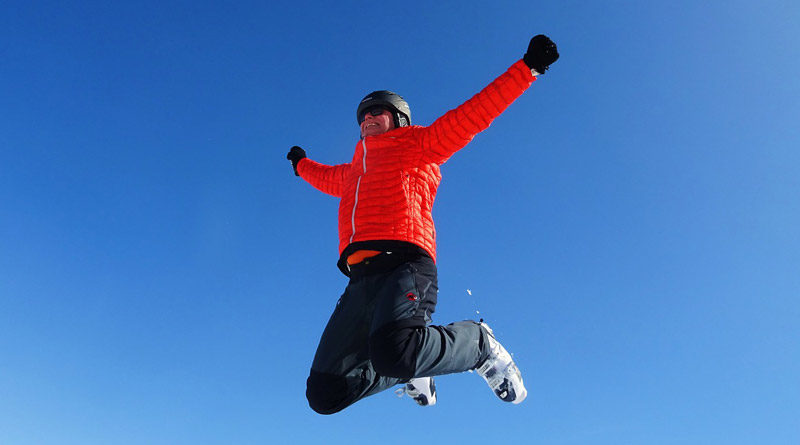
<point x="500" y="372"/>
<point x="422" y="390"/>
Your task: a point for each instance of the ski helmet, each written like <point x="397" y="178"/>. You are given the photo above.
<point x="392" y="101"/>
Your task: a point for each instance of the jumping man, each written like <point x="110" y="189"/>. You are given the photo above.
<point x="380" y="332"/>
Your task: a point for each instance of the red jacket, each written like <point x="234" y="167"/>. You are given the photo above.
<point x="387" y="190"/>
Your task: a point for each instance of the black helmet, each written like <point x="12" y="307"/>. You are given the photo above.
<point x="393" y="101"/>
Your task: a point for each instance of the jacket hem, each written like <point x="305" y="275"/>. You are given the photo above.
<point x="400" y="248"/>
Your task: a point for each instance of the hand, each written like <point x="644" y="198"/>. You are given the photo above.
<point x="295" y="155"/>
<point x="542" y="52"/>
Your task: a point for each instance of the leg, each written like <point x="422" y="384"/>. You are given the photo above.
<point x="400" y="342"/>
<point x="341" y="372"/>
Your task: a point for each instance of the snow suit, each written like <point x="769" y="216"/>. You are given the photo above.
<point x="379" y="333"/>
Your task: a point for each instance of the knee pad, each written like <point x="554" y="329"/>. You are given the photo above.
<point x="327" y="393"/>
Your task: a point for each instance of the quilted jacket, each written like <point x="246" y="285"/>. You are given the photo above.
<point x="387" y="190"/>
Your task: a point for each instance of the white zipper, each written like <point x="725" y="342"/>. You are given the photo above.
<point x="358" y="186"/>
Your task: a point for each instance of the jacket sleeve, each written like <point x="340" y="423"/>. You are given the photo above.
<point x="457" y="127"/>
<point x="325" y="178"/>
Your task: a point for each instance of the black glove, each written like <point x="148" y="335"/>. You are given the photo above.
<point x="295" y="155"/>
<point x="541" y="53"/>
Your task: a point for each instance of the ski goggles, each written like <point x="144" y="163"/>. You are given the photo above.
<point x="377" y="110"/>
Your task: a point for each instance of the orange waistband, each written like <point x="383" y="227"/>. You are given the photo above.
<point x="360" y="255"/>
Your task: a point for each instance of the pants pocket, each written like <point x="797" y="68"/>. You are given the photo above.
<point x="408" y="292"/>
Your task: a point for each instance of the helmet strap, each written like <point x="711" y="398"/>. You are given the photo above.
<point x="400" y="120"/>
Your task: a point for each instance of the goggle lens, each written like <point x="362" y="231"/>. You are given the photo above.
<point x="374" y="111"/>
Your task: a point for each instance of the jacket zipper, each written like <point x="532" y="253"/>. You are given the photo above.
<point x="358" y="186"/>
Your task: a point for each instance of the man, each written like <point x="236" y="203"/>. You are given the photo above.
<point x="379" y="334"/>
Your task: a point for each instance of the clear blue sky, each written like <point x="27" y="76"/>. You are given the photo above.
<point x="630" y="226"/>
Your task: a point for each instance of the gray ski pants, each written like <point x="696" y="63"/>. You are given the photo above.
<point x="380" y="335"/>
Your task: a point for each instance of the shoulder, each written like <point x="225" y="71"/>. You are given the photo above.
<point x="411" y="135"/>
<point x="406" y="131"/>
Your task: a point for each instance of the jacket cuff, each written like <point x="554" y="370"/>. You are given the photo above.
<point x="299" y="167"/>
<point x="522" y="66"/>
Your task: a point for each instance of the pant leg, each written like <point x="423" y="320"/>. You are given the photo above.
<point x="342" y="372"/>
<point x="401" y="342"/>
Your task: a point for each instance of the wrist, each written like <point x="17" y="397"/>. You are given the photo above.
<point x="297" y="166"/>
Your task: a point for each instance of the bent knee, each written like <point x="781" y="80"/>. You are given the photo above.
<point x="393" y="352"/>
<point x="327" y="393"/>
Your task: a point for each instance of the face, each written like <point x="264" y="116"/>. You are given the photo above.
<point x="375" y="125"/>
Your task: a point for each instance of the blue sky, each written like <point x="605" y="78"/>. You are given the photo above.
<point x="629" y="226"/>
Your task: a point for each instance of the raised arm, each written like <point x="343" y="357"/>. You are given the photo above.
<point x="457" y="127"/>
<point x="325" y="178"/>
